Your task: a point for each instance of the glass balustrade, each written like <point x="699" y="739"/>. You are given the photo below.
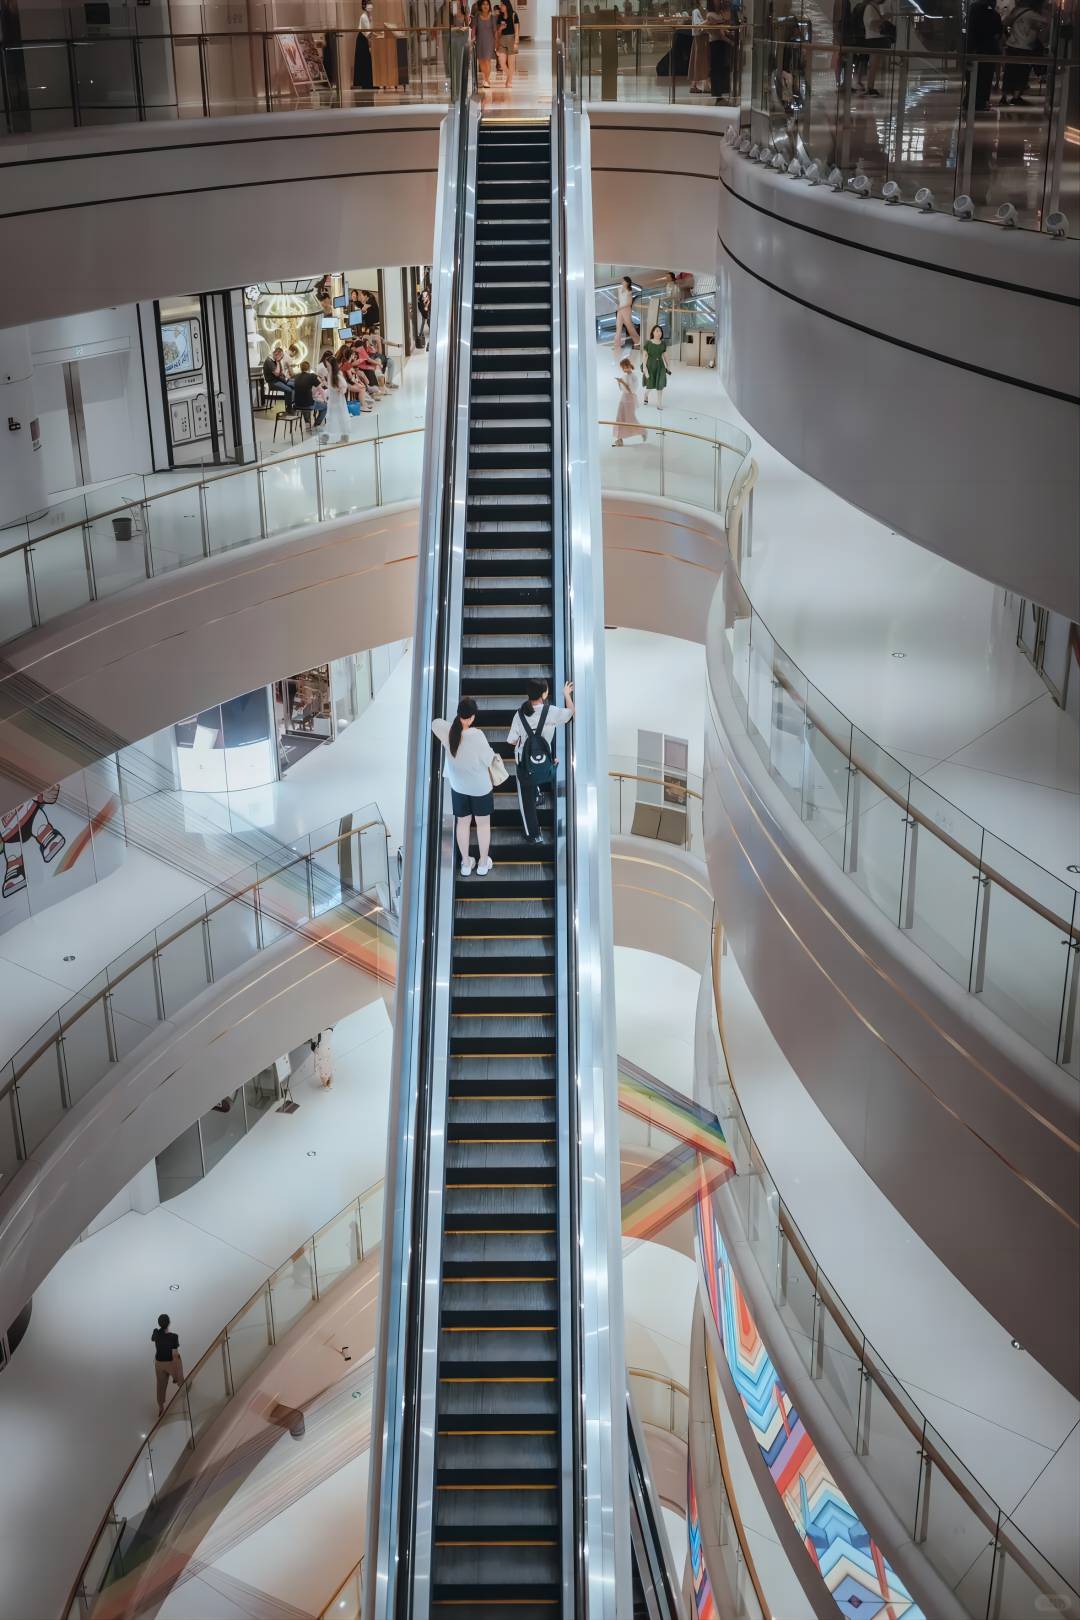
<point x="336" y="888"/>
<point x="963" y="1533"/>
<point x="137" y="1523"/>
<point x="1000" y="925"/>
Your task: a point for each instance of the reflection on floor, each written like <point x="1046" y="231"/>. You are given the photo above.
<point x="919" y="653"/>
<point x="81" y="1386"/>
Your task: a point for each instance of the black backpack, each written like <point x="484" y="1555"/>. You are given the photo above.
<point x="536" y="760"/>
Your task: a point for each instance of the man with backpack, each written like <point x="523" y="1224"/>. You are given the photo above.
<point x="532" y="734"/>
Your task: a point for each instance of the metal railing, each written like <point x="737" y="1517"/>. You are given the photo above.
<point x="324" y="892"/>
<point x="648" y="802"/>
<point x="159" y="1466"/>
<point x="956" y="1524"/>
<point x="657" y="59"/>
<point x="660" y="1401"/>
<point x="926" y="120"/>
<point x="1002" y="926"/>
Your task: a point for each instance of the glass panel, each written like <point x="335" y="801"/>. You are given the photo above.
<point x="232" y="936"/>
<point x="1029" y="1587"/>
<point x="86" y="1040"/>
<point x="60" y="577"/>
<point x="891" y="1450"/>
<point x="941" y="887"/>
<point x="182" y="954"/>
<point x="14" y="595"/>
<point x="104" y="73"/>
<point x="101" y="1558"/>
<point x="635" y="463"/>
<point x="137" y="1492"/>
<point x="284" y="901"/>
<point x="37" y="1095"/>
<point x="175" y="523"/>
<point x="116" y="548"/>
<point x="956" y="1522"/>
<point x="348" y="478"/>
<point x="170" y="1441"/>
<point x="841" y="1365"/>
<point x="249" y="1338"/>
<point x="261" y="1094"/>
<point x="760" y="697"/>
<point x="797" y="1301"/>
<point x="877" y="837"/>
<point x="337" y="1248"/>
<point x="232" y="511"/>
<point x="789" y="712"/>
<point x="133" y="995"/>
<point x="374" y="859"/>
<point x="208" y="1390"/>
<point x="292" y="1290"/>
<point x="826" y="777"/>
<point x="1026" y="959"/>
<point x="234" y="76"/>
<point x="400" y="462"/>
<point x="371" y="1220"/>
<point x="222" y="1127"/>
<point x="290" y="494"/>
<point x="763" y="1217"/>
<point x="9" y="1151"/>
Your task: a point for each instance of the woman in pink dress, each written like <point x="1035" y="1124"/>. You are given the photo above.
<point x="627" y="425"/>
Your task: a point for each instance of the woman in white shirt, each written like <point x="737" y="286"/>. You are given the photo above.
<point x="698" y="72"/>
<point x="337" y="397"/>
<point x="624" y="316"/>
<point x="468" y="765"/>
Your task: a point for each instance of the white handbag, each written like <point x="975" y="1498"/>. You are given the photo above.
<point x="498" y="772"/>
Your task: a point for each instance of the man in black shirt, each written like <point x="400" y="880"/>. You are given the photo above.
<point x="276" y="378"/>
<point x="304" y="385"/>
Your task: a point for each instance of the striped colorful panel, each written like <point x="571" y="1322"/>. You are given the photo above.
<point x="658" y="1105"/>
<point x="858" y="1576"/>
<point x="654" y="1197"/>
<point x="704" y="1602"/>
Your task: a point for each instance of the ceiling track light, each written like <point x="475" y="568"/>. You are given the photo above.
<point x="1057" y="224"/>
<point x="813" y="174"/>
<point x="1007" y="216"/>
<point x="963" y="207"/>
<point x="836" y="180"/>
<point x="924" y="200"/>
<point x="891" y="193"/>
<point x="794" y="168"/>
<point x="859" y="185"/>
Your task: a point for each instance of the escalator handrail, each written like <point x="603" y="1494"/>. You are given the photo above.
<point x="654" y="1536"/>
<point x="405" y="1283"/>
<point x="600" y="1564"/>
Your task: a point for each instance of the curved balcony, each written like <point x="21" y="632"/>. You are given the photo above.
<point x="145" y="1539"/>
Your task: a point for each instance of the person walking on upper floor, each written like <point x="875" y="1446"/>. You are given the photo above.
<point x="655" y="368"/>
<point x="624" y="316"/>
<point x="627" y="425"/>
<point x="532" y="735"/>
<point x="337" y="396"/>
<point x="469" y="761"/>
<point x="880" y="34"/>
<point x="484" y="39"/>
<point x="167" y="1363"/>
<point x="507" y="38"/>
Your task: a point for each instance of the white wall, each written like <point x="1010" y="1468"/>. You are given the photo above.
<point x="106" y="346"/>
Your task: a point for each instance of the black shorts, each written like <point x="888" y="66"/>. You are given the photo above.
<point x="472" y="804"/>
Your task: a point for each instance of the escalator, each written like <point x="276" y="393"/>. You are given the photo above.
<point x="497" y="1543"/>
<point x="500" y="1485"/>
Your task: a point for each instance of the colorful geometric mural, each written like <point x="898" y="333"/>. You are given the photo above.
<point x="704" y="1602"/>
<point x="862" y="1583"/>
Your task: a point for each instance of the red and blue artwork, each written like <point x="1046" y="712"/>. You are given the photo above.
<point x="704" y="1602"/>
<point x="860" y="1579"/>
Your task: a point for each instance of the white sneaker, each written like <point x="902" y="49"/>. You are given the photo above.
<point x="485" y="867"/>
<point x="467" y="866"/>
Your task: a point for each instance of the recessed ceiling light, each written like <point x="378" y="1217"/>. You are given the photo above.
<point x="311" y="1153"/>
<point x="174" y="1288"/>
<point x="899" y="655"/>
<point x="70" y="957"/>
<point x="1016" y="1344"/>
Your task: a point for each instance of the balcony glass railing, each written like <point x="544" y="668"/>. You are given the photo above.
<point x="137" y="1521"/>
<point x="648" y="802"/>
<point x="999" y="924"/>
<point x="50" y="570"/>
<point x="335" y="890"/>
<point x="968" y="1539"/>
<point x="933" y="116"/>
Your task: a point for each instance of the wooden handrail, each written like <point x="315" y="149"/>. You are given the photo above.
<point x="160" y="945"/>
<point x="629" y="776"/>
<point x="658" y="1378"/>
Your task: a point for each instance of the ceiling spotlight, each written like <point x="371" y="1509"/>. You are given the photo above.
<point x="813" y="174"/>
<point x="836" y="180"/>
<point x="765" y="155"/>
<point x="778" y="162"/>
<point x="745" y="147"/>
<point x="924" y="200"/>
<point x="963" y="207"/>
<point x="1007" y="215"/>
<point x="860" y="185"/>
<point x="890" y="193"/>
<point x="755" y="152"/>
<point x="1057" y="224"/>
<point x="794" y="168"/>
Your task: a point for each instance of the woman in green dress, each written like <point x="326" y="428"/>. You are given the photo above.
<point x="655" y="366"/>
